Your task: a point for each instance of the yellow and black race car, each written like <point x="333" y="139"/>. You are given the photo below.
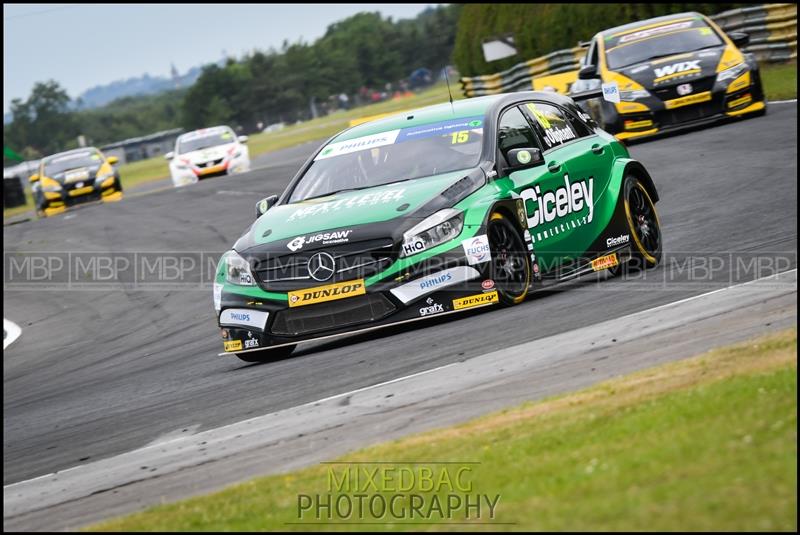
<point x="73" y="177"/>
<point x="670" y="72"/>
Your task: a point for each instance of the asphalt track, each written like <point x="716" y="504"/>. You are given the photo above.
<point x="100" y="373"/>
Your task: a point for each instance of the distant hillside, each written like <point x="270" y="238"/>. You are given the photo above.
<point x="101" y="95"/>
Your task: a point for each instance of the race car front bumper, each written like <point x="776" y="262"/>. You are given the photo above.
<point x="56" y="202"/>
<point x="436" y="287"/>
<point x="657" y="117"/>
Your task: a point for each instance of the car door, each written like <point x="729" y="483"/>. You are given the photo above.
<point x="582" y="160"/>
<point x="534" y="185"/>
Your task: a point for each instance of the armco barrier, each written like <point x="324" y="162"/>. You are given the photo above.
<point x="773" y="39"/>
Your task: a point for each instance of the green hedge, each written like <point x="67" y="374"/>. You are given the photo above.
<point x="542" y="28"/>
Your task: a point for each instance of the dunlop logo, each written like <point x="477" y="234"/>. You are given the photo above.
<point x="233" y="345"/>
<point x="475" y="300"/>
<point x="329" y="292"/>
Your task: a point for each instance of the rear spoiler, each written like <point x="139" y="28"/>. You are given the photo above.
<point x="584" y="44"/>
<point x="586" y="95"/>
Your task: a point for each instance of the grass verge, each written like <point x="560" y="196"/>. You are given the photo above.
<point x="780" y="80"/>
<point x="708" y="443"/>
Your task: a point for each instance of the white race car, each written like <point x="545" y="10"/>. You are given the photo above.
<point x="207" y="153"/>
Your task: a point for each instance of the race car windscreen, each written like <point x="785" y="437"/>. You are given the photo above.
<point x="197" y="141"/>
<point x="75" y="160"/>
<point x="665" y="40"/>
<point x="392" y="156"/>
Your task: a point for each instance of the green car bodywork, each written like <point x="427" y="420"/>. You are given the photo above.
<point x="573" y="202"/>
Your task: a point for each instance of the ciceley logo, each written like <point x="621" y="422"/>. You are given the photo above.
<point x="570" y="198"/>
<point x="675" y="68"/>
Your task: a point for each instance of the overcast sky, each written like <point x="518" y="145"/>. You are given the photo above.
<point x="82" y="45"/>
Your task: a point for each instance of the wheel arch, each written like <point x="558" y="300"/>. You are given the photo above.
<point x="637" y="169"/>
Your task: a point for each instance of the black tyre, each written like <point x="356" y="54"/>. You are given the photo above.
<point x="267" y="355"/>
<point x="644" y="224"/>
<point x="510" y="267"/>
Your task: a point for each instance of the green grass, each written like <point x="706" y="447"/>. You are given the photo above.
<point x="780" y="80"/>
<point x="708" y="443"/>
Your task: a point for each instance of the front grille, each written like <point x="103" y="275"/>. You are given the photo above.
<point x="212" y="175"/>
<point x="210" y="163"/>
<point x="698" y="86"/>
<point x="353" y="261"/>
<point x="687" y="113"/>
<point x="331" y="315"/>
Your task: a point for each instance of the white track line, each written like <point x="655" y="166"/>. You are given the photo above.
<point x="782" y="101"/>
<point x="405" y="377"/>
<point x="12" y="332"/>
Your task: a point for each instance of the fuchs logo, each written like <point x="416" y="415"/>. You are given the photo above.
<point x="619" y="240"/>
<point x="477" y="249"/>
<point x="488" y="284"/>
<point x="570" y="198"/>
<point x="296" y="244"/>
<point x="676" y="68"/>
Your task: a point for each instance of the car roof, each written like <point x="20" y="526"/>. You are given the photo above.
<point x="68" y="152"/>
<point x="209" y="130"/>
<point x="648" y="22"/>
<point x="459" y="109"/>
<point x="470" y="107"/>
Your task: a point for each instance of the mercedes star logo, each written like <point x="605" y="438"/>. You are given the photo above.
<point x="321" y="266"/>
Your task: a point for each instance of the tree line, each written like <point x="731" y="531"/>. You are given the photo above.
<point x="539" y="29"/>
<point x="263" y="87"/>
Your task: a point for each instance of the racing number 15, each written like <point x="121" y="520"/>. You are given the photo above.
<point x="460" y="137"/>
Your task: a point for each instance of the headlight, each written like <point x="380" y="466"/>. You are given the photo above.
<point x="48" y="184"/>
<point x="101" y="178"/>
<point x="732" y="73"/>
<point x="636" y="94"/>
<point x="237" y="270"/>
<point x="442" y="226"/>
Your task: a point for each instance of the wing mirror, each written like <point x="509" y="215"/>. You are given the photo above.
<point x="524" y="158"/>
<point x="169" y="155"/>
<point x="265" y="204"/>
<point x="739" y="39"/>
<point x="112" y="160"/>
<point x="588" y="72"/>
<point x="242" y="139"/>
<point x="34" y="178"/>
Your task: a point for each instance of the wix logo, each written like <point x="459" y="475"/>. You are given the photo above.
<point x="677" y="67"/>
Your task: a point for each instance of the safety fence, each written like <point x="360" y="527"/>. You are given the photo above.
<point x="773" y="39"/>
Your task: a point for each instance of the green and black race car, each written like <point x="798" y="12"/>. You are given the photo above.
<point x="443" y="209"/>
